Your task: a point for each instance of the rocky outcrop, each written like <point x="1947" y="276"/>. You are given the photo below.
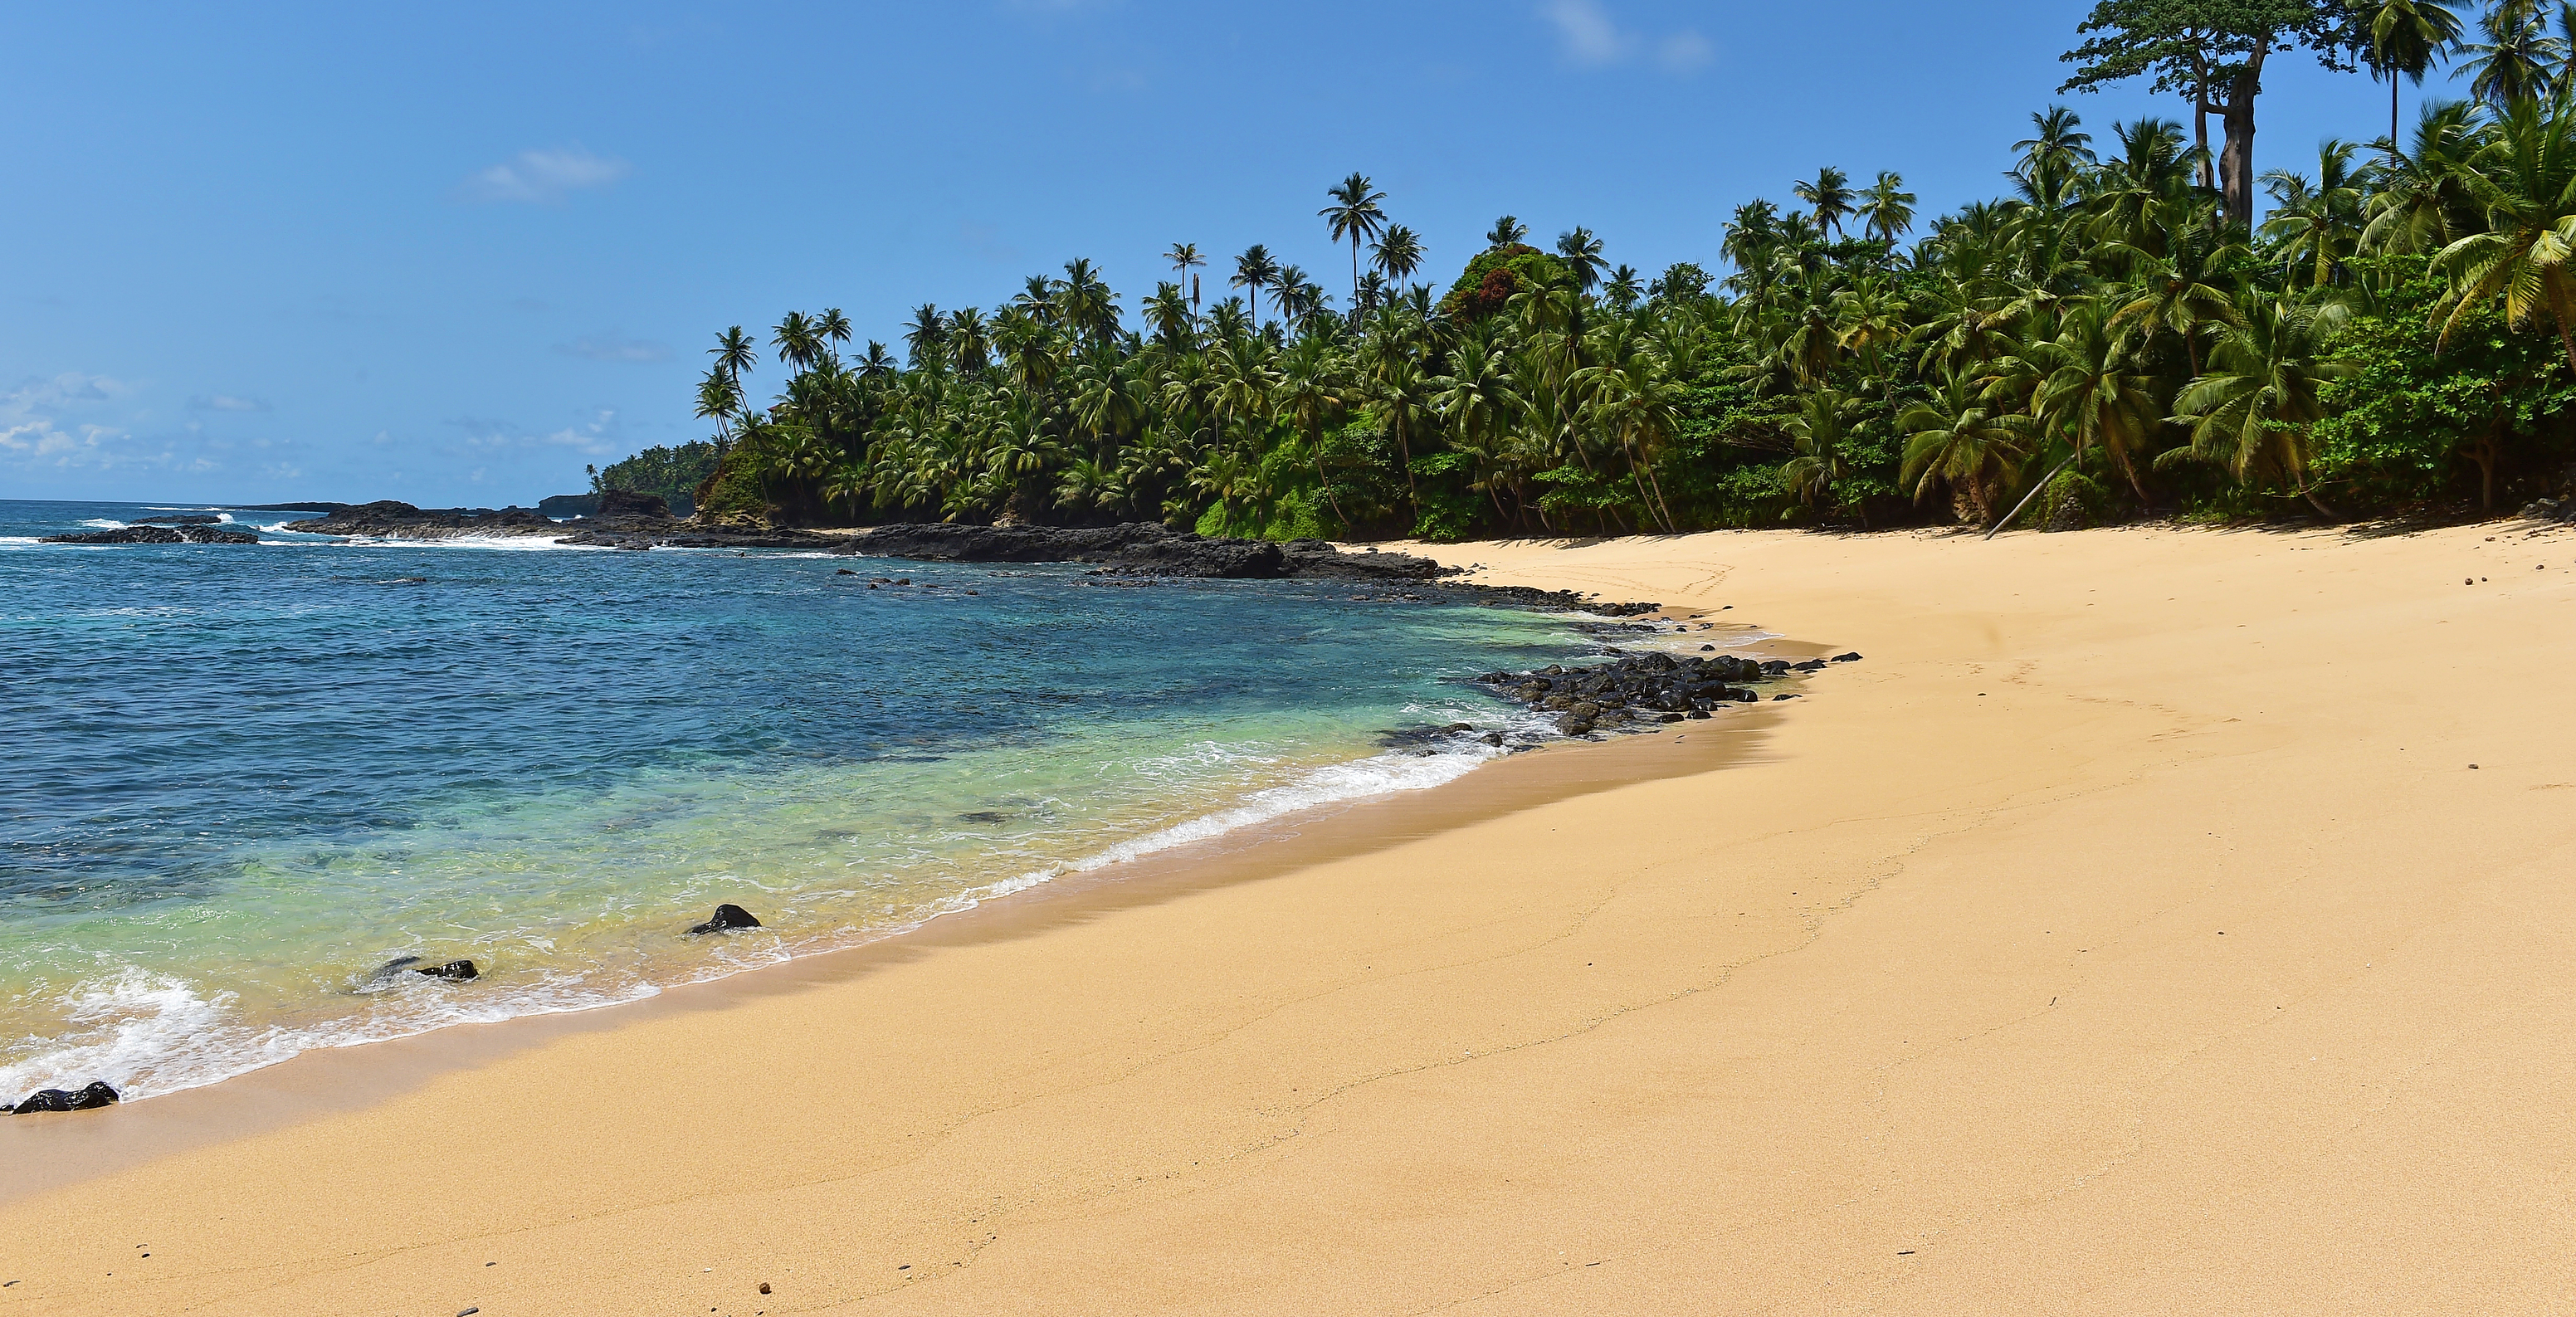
<point x="1636" y="690"/>
<point x="1144" y="549"/>
<point x="156" y="535"/>
<point x="394" y="520"/>
<point x="98" y="1094"/>
<point x="568" y="505"/>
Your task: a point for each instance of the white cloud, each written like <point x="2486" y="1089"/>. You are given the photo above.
<point x="35" y="431"/>
<point x="225" y="402"/>
<point x="1586" y="34"/>
<point x="611" y="347"/>
<point x="1588" y="37"/>
<point x="545" y="177"/>
<point x="1683" y="51"/>
<point x="597" y="436"/>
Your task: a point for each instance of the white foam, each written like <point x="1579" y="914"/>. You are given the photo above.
<point x="104" y="523"/>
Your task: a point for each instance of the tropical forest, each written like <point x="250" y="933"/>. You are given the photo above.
<point x="2140" y="325"/>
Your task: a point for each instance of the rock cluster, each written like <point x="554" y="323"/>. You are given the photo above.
<point x="1639" y="688"/>
<point x="624" y="520"/>
<point x="189" y="534"/>
<point x="1144" y="549"/>
<point x="182" y="519"/>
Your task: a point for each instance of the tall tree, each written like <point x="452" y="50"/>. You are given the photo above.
<point x="2525" y="184"/>
<point x="1505" y="232"/>
<point x="2402" y="38"/>
<point x="2212" y="52"/>
<point x="1829" y="197"/>
<point x="1582" y="254"/>
<point x="1886" y="208"/>
<point x="1253" y="271"/>
<point x="1185" y="257"/>
<point x="1398" y="254"/>
<point x="2516" y="60"/>
<point x="1355" y="215"/>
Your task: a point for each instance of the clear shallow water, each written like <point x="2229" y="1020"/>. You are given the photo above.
<point x="240" y="778"/>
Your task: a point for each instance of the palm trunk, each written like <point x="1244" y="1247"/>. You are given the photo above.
<point x="2392" y="109"/>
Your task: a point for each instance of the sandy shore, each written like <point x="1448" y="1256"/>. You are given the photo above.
<point x="2129" y="933"/>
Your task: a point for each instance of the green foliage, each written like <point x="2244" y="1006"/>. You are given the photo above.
<point x="673" y="473"/>
<point x="732" y="492"/>
<point x="1494" y="275"/>
<point x="2418" y="421"/>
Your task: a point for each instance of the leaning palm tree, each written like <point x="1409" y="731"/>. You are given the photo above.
<point x="1829" y="196"/>
<point x="2402" y="38"/>
<point x="2524" y="182"/>
<point x="1354" y="215"/>
<point x="2255" y="407"/>
<point x="1185" y="257"/>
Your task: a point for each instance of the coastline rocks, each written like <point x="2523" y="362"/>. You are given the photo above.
<point x="1143" y="549"/>
<point x="183" y="519"/>
<point x="624" y="520"/>
<point x="138" y="534"/>
<point x="1649" y="688"/>
<point x="98" y="1094"/>
<point x="568" y="505"/>
<point x="727" y="918"/>
<point x="458" y="970"/>
<point x="393" y="519"/>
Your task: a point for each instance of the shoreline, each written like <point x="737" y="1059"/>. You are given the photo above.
<point x="340" y="1078"/>
<point x="2128" y="934"/>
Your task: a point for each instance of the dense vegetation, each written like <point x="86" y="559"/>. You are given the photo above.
<point x="2112" y="339"/>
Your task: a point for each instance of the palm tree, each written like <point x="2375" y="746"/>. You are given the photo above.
<point x="797" y="341"/>
<point x="1355" y="215"/>
<point x="2254" y="408"/>
<point x="1253" y="271"/>
<point x="2422" y="200"/>
<point x="1506" y="232"/>
<point x="1397" y="255"/>
<point x="2402" y="39"/>
<point x="926" y="335"/>
<point x="2094" y="394"/>
<point x="1185" y="257"/>
<point x="2525" y="184"/>
<point x="734" y="353"/>
<point x="1309" y="386"/>
<point x="2184" y="291"/>
<point x="719" y="397"/>
<point x="2320" y="221"/>
<point x="2515" y="61"/>
<point x="1582" y="255"/>
<point x="1959" y="438"/>
<point x="1887" y="208"/>
<point x="1829" y="196"/>
<point x="1817" y="430"/>
<point x="2053" y="157"/>
<point x="834" y="328"/>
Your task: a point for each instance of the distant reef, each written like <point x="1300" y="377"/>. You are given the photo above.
<point x="621" y="520"/>
<point x="156" y="535"/>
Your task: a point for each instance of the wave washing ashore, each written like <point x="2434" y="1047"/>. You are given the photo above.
<point x="245" y="778"/>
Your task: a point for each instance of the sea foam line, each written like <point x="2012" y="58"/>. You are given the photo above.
<point x="150" y="1033"/>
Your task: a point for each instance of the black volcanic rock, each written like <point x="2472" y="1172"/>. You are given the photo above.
<point x="182" y="519"/>
<point x="727" y="918"/>
<point x="98" y="1094"/>
<point x="156" y="535"/>
<point x="568" y="505"/>
<point x="628" y="503"/>
<point x="1143" y="549"/>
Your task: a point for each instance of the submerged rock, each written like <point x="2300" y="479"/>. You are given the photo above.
<point x="727" y="918"/>
<point x="460" y="970"/>
<point x="190" y="534"/>
<point x="98" y="1094"/>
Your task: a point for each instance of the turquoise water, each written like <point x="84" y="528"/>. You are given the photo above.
<point x="242" y="777"/>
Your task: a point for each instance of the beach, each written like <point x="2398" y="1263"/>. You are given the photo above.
<point x="2154" y="920"/>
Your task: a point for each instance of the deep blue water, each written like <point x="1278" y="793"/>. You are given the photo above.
<point x="240" y="777"/>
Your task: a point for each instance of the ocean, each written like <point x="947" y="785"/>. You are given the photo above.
<point x="241" y="779"/>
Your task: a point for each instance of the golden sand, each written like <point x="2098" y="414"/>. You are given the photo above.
<point x="2128" y="933"/>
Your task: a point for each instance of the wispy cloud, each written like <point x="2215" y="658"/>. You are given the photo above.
<point x="1588" y="37"/>
<point x="34" y="429"/>
<point x="225" y="402"/>
<point x="596" y="435"/>
<point x="545" y="177"/>
<point x="613" y="347"/>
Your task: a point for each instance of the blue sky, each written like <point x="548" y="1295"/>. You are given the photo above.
<point x="452" y="253"/>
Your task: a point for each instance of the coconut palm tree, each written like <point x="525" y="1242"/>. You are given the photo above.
<point x="734" y="353"/>
<point x="2524" y="185"/>
<point x="1829" y="197"/>
<point x="926" y="335"/>
<point x="1397" y="255"/>
<point x="2321" y="221"/>
<point x="1253" y="271"/>
<point x="2516" y="60"/>
<point x="1581" y="253"/>
<point x="1819" y="464"/>
<point x="2401" y="40"/>
<point x="1887" y="209"/>
<point x="1354" y="214"/>
<point x="1506" y="232"/>
<point x="2255" y="407"/>
<point x="1960" y="439"/>
<point x="1185" y="257"/>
